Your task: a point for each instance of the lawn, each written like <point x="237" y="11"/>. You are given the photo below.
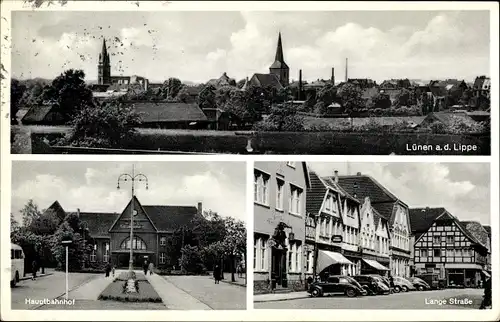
<point x="116" y="290"/>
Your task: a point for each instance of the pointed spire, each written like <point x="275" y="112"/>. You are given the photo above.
<point x="245" y="86"/>
<point x="104" y="50"/>
<point x="279" y="50"/>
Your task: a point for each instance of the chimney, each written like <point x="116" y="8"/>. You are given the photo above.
<point x="300" y="85"/>
<point x="78" y="212"/>
<point x="336" y="176"/>
<point x="200" y="209"/>
<point x="346" y="79"/>
<point x="333" y="75"/>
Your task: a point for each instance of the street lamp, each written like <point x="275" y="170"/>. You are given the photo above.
<point x="125" y="177"/>
<point x="66" y="242"/>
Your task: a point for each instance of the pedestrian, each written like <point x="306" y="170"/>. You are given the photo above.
<point x="145" y="267"/>
<point x="239" y="270"/>
<point x="108" y="269"/>
<point x="217" y="273"/>
<point x="391" y="283"/>
<point x="150" y="268"/>
<point x="34" y="268"/>
<point x="487" y="292"/>
<point x="113" y="270"/>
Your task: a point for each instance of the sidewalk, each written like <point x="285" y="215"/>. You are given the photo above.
<point x="48" y="271"/>
<point x="173" y="297"/>
<point x="280" y="297"/>
<point x="92" y="289"/>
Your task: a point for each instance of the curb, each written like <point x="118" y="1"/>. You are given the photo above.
<point x="280" y="300"/>
<point x="234" y="283"/>
<point x="28" y="278"/>
<point x="69" y="291"/>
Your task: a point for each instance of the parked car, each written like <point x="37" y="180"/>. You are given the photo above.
<point x="402" y="284"/>
<point x="373" y="284"/>
<point x="432" y="280"/>
<point x="384" y="279"/>
<point x="419" y="283"/>
<point x="338" y="284"/>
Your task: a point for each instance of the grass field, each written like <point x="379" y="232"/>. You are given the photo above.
<point x="145" y="291"/>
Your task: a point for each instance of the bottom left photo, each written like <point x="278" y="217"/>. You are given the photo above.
<point x="128" y="235"/>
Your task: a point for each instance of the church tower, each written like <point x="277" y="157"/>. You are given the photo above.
<point x="104" y="66"/>
<point x="279" y="67"/>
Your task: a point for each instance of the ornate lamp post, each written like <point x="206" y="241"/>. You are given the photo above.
<point x="125" y="177"/>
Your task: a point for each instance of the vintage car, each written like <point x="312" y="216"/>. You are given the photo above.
<point x="419" y="283"/>
<point x="373" y="284"/>
<point x="338" y="284"/>
<point x="402" y="284"/>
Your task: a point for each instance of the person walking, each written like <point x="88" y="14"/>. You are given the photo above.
<point x="145" y="267"/>
<point x="487" y="292"/>
<point x="391" y="283"/>
<point x="217" y="273"/>
<point x="150" y="268"/>
<point x="113" y="270"/>
<point x="108" y="269"/>
<point x="34" y="269"/>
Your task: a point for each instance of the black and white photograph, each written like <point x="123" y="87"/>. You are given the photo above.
<point x="372" y="235"/>
<point x="128" y="236"/>
<point x="250" y="82"/>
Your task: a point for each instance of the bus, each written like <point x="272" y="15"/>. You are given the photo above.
<point x="17" y="264"/>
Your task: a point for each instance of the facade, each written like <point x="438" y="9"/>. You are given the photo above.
<point x="110" y="232"/>
<point x="390" y="208"/>
<point x="280" y="190"/>
<point x="482" y="86"/>
<point x="444" y="246"/>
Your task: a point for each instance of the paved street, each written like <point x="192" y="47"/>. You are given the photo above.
<point x="222" y="296"/>
<point x="177" y="292"/>
<point x="410" y="300"/>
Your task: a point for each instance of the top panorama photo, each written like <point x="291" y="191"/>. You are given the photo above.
<point x="230" y="82"/>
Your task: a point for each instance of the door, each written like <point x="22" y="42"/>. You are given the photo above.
<point x="333" y="285"/>
<point x="278" y="269"/>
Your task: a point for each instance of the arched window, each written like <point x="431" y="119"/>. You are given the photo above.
<point x="137" y="243"/>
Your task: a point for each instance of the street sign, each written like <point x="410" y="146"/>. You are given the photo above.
<point x="336" y="239"/>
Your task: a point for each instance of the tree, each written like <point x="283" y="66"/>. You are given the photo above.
<point x="380" y="101"/>
<point x="402" y="98"/>
<point x="206" y="97"/>
<point x="107" y="125"/>
<point x="223" y="94"/>
<point x="327" y="95"/>
<point x="33" y="93"/>
<point x="283" y="117"/>
<point x="350" y="97"/>
<point x="466" y="97"/>
<point x="14" y="225"/>
<point x="16" y="93"/>
<point x="69" y="93"/>
<point x="235" y="241"/>
<point x="241" y="83"/>
<point x="45" y="224"/>
<point x="183" y="95"/>
<point x="191" y="260"/>
<point x="76" y="251"/>
<point x="171" y="88"/>
<point x="30" y="213"/>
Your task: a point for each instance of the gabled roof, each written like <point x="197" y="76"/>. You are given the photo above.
<point x="98" y="223"/>
<point x="477" y="230"/>
<point x="169" y="218"/>
<point x="488" y="229"/>
<point x="362" y="186"/>
<point x="266" y="80"/>
<point x="224" y="80"/>
<point x="467" y="233"/>
<point x="36" y="114"/>
<point x="421" y="219"/>
<point x="57" y="209"/>
<point x="152" y="112"/>
<point x="316" y="193"/>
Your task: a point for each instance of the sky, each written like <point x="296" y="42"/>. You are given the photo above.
<point x="198" y="46"/>
<point x="92" y="186"/>
<point x="462" y="188"/>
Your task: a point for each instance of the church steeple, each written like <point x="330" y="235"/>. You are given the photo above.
<point x="279" y="67"/>
<point x="104" y="66"/>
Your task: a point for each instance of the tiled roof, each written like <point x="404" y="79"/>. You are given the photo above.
<point x="169" y="112"/>
<point x="385" y="210"/>
<point x="421" y="219"/>
<point x="314" y="196"/>
<point x="224" y="80"/>
<point x="266" y="80"/>
<point x="477" y="230"/>
<point x="36" y="114"/>
<point x="488" y="229"/>
<point x="57" y="209"/>
<point x="448" y="118"/>
<point x="98" y="223"/>
<point x="362" y="186"/>
<point x="168" y="218"/>
<point x="467" y="232"/>
<point x="330" y="181"/>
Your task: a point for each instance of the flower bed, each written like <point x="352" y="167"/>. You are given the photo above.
<point x="117" y="290"/>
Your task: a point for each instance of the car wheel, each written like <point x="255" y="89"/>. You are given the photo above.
<point x="405" y="289"/>
<point x="420" y="288"/>
<point x="315" y="293"/>
<point x="397" y="289"/>
<point x="350" y="292"/>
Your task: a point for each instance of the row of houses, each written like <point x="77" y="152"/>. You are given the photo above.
<point x="306" y="225"/>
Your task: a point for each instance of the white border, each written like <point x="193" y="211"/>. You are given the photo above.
<point x="251" y="314"/>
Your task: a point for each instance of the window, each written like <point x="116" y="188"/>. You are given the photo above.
<point x="450" y="239"/>
<point x="458" y="252"/>
<point x="137" y="243"/>
<point x="291" y="164"/>
<point x="106" y="252"/>
<point x="291" y="260"/>
<point x="424" y="252"/>
<point x="449" y="253"/>
<point x="309" y="261"/>
<point x="263" y="254"/>
<point x="259" y="255"/>
<point x="162" y="258"/>
<point x="280" y="184"/>
<point x="163" y="241"/>
<point x="437" y="239"/>
<point x="93" y="254"/>
<point x="295" y="201"/>
<point x="261" y="188"/>
<point x="437" y="252"/>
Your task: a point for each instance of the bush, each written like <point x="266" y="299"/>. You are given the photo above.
<point x="191" y="260"/>
<point x="145" y="293"/>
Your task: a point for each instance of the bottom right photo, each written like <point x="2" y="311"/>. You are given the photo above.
<point x="372" y="235"/>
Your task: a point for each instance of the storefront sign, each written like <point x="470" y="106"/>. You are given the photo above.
<point x="336" y="238"/>
<point x="127" y="226"/>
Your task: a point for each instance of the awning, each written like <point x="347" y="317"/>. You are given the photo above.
<point x="375" y="265"/>
<point x="486" y="274"/>
<point x="327" y="258"/>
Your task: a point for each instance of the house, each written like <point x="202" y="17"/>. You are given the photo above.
<point x="224" y="80"/>
<point x="363" y="83"/>
<point x="332" y="230"/>
<point x="488" y="258"/>
<point x="444" y="246"/>
<point x="266" y="80"/>
<point x="44" y="114"/>
<point x="447" y="119"/>
<point x="395" y="84"/>
<point x="280" y="190"/>
<point x="445" y="92"/>
<point x="168" y="115"/>
<point x="110" y="232"/>
<point x="390" y="208"/>
<point x="482" y="86"/>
